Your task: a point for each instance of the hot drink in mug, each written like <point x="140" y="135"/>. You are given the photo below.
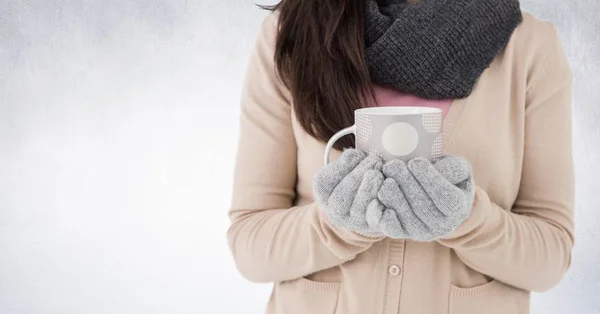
<point x="395" y="132"/>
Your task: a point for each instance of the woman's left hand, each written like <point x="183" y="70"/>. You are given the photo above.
<point x="423" y="201"/>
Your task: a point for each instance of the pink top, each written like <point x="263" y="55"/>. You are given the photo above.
<point x="390" y="97"/>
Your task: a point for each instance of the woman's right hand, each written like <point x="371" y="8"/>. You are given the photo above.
<point x="347" y="190"/>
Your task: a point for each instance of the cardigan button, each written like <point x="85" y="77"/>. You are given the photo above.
<point x="394" y="270"/>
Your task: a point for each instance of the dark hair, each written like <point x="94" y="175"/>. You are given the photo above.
<point x="319" y="56"/>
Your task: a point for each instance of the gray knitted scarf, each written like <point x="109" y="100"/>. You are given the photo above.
<point x="436" y="49"/>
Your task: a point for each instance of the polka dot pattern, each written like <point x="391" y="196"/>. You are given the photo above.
<point x="374" y="152"/>
<point x="437" y="150"/>
<point x="363" y="128"/>
<point x="432" y="122"/>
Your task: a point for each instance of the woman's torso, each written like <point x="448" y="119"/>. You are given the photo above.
<point x="398" y="276"/>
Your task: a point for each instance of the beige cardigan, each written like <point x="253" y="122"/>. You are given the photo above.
<point x="515" y="129"/>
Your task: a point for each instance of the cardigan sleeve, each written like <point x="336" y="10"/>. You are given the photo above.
<point x="272" y="240"/>
<point x="530" y="246"/>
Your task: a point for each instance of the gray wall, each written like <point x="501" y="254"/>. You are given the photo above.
<point x="118" y="122"/>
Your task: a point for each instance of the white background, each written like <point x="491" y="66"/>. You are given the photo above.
<point x="118" y="126"/>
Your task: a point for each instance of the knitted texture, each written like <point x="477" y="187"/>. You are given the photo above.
<point x="347" y="190"/>
<point x="423" y="201"/>
<point x="417" y="200"/>
<point x="436" y="49"/>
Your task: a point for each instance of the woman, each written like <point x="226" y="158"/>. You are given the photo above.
<point x="474" y="232"/>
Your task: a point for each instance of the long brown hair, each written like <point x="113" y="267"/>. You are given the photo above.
<point x="319" y="56"/>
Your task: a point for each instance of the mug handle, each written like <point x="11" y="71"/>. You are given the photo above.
<point x="335" y="138"/>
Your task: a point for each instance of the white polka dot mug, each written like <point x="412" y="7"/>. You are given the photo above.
<point x="395" y="132"/>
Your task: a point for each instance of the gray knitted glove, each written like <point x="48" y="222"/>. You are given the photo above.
<point x="347" y="190"/>
<point x="424" y="202"/>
